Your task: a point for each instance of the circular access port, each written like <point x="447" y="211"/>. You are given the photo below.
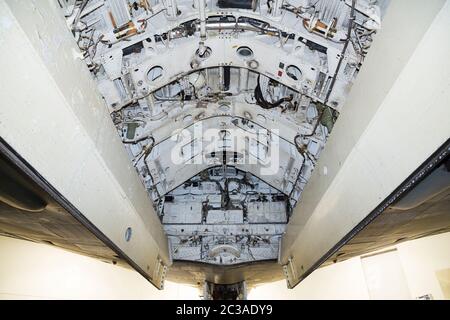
<point x="187" y="118"/>
<point x="293" y="72"/>
<point x="203" y="53"/>
<point x="261" y="118"/>
<point x="245" y="52"/>
<point x="155" y="73"/>
<point x="253" y="64"/>
<point x="224" y="108"/>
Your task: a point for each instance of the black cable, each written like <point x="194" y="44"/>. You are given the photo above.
<point x="265" y="104"/>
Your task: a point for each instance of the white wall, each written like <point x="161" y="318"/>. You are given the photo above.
<point x="344" y="280"/>
<point x="34" y="271"/>
<point x="422" y="262"/>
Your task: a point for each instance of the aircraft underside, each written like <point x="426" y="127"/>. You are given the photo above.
<point x="224" y="109"/>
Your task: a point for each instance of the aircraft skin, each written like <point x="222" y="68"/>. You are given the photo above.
<point x="224" y="109"/>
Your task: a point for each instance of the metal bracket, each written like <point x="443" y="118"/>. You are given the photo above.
<point x="159" y="273"/>
<point x="290" y="273"/>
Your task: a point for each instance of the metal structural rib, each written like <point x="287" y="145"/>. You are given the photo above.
<point x="224" y="107"/>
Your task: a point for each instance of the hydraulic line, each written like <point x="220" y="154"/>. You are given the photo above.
<point x="333" y="81"/>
